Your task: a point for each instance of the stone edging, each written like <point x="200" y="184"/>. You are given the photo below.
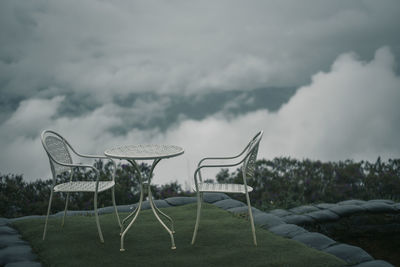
<point x="287" y="223"/>
<point x="15" y="252"/>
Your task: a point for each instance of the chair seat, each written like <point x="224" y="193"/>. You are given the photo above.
<point x="224" y="188"/>
<point x="83" y="186"/>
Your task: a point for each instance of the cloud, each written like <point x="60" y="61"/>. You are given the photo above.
<point x="20" y="134"/>
<point x="348" y="112"/>
<point x="32" y="114"/>
<point x="19" y="137"/>
<point x="179" y="47"/>
<point x="113" y="72"/>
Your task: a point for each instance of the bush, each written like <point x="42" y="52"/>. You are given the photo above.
<point x="20" y="198"/>
<point x="278" y="183"/>
<point x="286" y="183"/>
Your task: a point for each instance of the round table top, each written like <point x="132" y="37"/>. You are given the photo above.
<point x="143" y="152"/>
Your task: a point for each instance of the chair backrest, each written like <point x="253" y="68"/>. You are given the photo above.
<point x="249" y="164"/>
<point x="57" y="149"/>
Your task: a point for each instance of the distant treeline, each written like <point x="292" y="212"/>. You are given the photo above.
<point x="278" y="183"/>
<point x="287" y="183"/>
<point x="21" y="198"/>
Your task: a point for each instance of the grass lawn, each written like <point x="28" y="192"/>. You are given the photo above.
<point x="223" y="240"/>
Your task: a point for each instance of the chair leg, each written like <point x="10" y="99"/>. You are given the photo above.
<point x="115" y="207"/>
<point x="48" y="212"/>
<point x="65" y="210"/>
<point x="196" y="227"/>
<point x="251" y="220"/>
<point x="97" y="218"/>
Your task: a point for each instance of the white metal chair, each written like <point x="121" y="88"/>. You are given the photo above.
<point x="58" y="150"/>
<point x="248" y="157"/>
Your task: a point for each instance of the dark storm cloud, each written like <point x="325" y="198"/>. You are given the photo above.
<point x="124" y="47"/>
<point x="162" y="111"/>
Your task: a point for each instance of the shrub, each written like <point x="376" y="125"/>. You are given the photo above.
<point x="286" y="183"/>
<point x="21" y="198"/>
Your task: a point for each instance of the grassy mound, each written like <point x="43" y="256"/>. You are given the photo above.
<point x="223" y="240"/>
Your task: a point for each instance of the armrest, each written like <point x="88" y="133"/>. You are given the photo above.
<point x="217" y="158"/>
<point x="91" y="156"/>
<point x="98" y="157"/>
<point x="84" y="155"/>
<point x="223" y="158"/>
<point x="218" y="165"/>
<point x="76" y="165"/>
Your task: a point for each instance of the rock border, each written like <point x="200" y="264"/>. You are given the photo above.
<point x="295" y="218"/>
<point x="288" y="224"/>
<point x="15" y="252"/>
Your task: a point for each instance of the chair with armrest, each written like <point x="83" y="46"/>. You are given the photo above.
<point x="248" y="160"/>
<point x="58" y="150"/>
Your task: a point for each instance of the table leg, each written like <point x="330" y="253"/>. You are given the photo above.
<point x="155" y="209"/>
<point x="165" y="215"/>
<point x="152" y="205"/>
<point x="133" y="220"/>
<point x="127" y="217"/>
<point x="136" y="211"/>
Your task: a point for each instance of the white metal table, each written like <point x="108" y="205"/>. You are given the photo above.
<point x="156" y="153"/>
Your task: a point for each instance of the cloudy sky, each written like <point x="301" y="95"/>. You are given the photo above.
<point x="321" y="78"/>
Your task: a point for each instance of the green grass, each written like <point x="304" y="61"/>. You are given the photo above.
<point x="223" y="240"/>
